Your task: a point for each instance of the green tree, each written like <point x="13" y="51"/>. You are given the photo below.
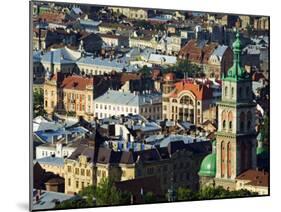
<point x="220" y="192"/>
<point x="185" y="194"/>
<point x="104" y="194"/>
<point x="38" y="103"/>
<point x="149" y="197"/>
<point x="72" y="203"/>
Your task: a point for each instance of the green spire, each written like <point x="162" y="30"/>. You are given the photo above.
<point x="236" y="71"/>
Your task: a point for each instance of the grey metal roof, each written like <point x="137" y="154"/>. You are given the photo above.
<point x="61" y="56"/>
<point x="115" y="64"/>
<point x="50" y="161"/>
<point x="48" y="199"/>
<point x="127" y="98"/>
<point x="219" y="51"/>
<point x="159" y="58"/>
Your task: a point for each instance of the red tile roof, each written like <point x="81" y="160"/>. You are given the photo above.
<point x="194" y="53"/>
<point x="54" y="17"/>
<point x="256" y="178"/>
<point x="74" y="82"/>
<point x="200" y="90"/>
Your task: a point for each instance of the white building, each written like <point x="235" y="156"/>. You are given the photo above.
<point x="116" y="103"/>
<point x="58" y="150"/>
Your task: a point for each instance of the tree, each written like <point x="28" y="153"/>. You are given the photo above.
<point x="220" y="192"/>
<point x="104" y="194"/>
<point x="38" y="103"/>
<point x="72" y="203"/>
<point x="149" y="197"/>
<point x="185" y="194"/>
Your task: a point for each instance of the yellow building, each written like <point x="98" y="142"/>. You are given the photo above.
<point x="175" y="165"/>
<point x="72" y="95"/>
<point x="79" y="170"/>
<point x="132" y="13"/>
<point x="188" y="100"/>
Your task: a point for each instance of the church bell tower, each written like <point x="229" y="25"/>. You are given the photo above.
<point x="235" y="139"/>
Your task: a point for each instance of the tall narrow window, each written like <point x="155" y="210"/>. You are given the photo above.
<point x="230" y="119"/>
<point x="232" y="92"/>
<point x="222" y="159"/>
<point x="225" y="91"/>
<point x="230" y="125"/>
<point x="228" y="159"/>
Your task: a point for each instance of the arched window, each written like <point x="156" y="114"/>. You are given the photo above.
<point x="222" y="159"/>
<point x="223" y="124"/>
<point x="184" y="100"/>
<point x="242" y="121"/>
<point x="232" y="92"/>
<point x="228" y="159"/>
<point x="225" y="91"/>
<point x="230" y="119"/>
<point x="223" y="118"/>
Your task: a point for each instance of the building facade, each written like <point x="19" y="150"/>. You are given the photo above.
<point x="116" y="103"/>
<point x="212" y="58"/>
<point x="72" y="95"/>
<point x="189" y="100"/>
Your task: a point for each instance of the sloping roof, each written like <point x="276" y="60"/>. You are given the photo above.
<point x="52" y="16"/>
<point x="201" y="91"/>
<point x="256" y="178"/>
<point x="115" y="64"/>
<point x="162" y="59"/>
<point x="48" y="199"/>
<point x="219" y="51"/>
<point x="55" y="161"/>
<point x="198" y="51"/>
<point x="127" y="98"/>
<point x="61" y="56"/>
<point x="76" y="82"/>
<point x="88" y="151"/>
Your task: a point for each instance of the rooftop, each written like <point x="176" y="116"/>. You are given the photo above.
<point x="127" y="98"/>
<point x="119" y="64"/>
<point x="55" y="161"/>
<point x="48" y="199"/>
<point x="256" y="178"/>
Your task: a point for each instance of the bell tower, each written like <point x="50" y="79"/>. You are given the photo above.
<point x="236" y="143"/>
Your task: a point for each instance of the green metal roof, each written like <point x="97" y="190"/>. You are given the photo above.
<point x="261" y="150"/>
<point x="208" y="166"/>
<point x="236" y="72"/>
